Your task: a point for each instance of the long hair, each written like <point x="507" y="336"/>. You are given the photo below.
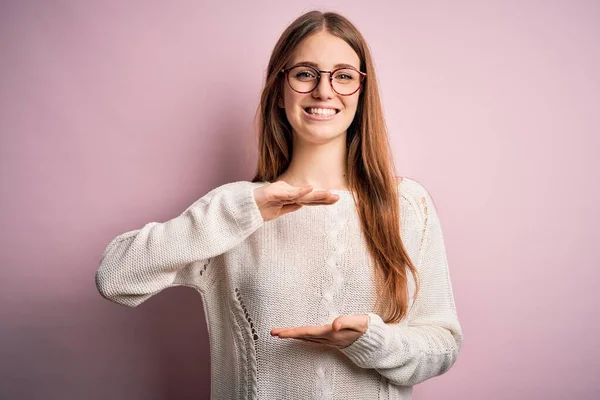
<point x="370" y="166"/>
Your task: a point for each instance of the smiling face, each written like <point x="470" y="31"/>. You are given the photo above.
<point x="321" y="115"/>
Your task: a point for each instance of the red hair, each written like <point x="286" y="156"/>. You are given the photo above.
<point x="370" y="166"/>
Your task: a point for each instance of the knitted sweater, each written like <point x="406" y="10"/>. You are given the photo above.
<point x="303" y="268"/>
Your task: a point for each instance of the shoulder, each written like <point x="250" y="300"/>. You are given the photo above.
<point x="411" y="188"/>
<point x="415" y="197"/>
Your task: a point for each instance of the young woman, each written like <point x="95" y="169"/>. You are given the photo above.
<point x="347" y="298"/>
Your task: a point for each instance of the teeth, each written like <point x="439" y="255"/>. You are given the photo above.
<point x="321" y="111"/>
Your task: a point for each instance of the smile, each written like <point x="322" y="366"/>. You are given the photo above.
<point x="320" y="113"/>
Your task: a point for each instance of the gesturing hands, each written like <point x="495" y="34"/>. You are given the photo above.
<point x="342" y="332"/>
<point x="279" y="198"/>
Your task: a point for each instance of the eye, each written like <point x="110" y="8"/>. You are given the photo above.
<point x="304" y="75"/>
<point x="345" y="76"/>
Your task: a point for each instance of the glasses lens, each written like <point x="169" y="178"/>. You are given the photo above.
<point x="346" y="81"/>
<point x="303" y="78"/>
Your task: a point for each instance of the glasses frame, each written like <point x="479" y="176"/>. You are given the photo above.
<point x="286" y="71"/>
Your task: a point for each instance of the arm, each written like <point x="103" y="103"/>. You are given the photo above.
<point x="428" y="345"/>
<point x="138" y="264"/>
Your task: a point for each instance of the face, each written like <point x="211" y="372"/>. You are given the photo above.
<point x="302" y="109"/>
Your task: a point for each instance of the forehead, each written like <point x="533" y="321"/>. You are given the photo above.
<point x="325" y="50"/>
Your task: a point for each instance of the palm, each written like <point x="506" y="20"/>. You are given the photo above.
<point x="342" y="332"/>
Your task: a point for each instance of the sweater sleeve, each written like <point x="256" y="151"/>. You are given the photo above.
<point x="138" y="264"/>
<point x="428" y="344"/>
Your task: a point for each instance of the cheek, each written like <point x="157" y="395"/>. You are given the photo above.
<point x="292" y="104"/>
<point x="351" y="105"/>
<point x="290" y="98"/>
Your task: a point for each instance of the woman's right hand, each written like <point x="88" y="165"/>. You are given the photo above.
<point x="279" y="198"/>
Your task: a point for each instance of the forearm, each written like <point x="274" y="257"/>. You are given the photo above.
<point x="404" y="354"/>
<point x="140" y="263"/>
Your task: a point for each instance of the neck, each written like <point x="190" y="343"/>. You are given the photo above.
<point x="321" y="165"/>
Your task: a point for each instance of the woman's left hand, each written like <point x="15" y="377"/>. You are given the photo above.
<point x="342" y="332"/>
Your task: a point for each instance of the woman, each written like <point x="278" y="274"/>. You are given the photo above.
<point x="349" y="298"/>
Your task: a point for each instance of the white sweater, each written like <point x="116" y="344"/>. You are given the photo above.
<point x="304" y="268"/>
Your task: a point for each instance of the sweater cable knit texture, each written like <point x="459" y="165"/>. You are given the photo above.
<point x="303" y="268"/>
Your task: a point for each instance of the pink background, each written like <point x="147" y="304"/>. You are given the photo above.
<point x="114" y="114"/>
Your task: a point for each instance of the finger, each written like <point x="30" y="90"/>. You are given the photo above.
<point x="322" y="199"/>
<point x="299" y="191"/>
<point x="316" y="195"/>
<point x="317" y="204"/>
<point x="287" y="193"/>
<point x="275" y="331"/>
<point x="312" y="340"/>
<point x="342" y="340"/>
<point x="306" y="331"/>
<point x="286" y="186"/>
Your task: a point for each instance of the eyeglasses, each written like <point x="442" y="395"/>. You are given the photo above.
<point x="304" y="79"/>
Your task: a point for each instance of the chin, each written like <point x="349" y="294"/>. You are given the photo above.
<point x="321" y="135"/>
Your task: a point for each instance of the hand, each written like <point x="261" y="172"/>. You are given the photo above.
<point x="279" y="198"/>
<point x="342" y="332"/>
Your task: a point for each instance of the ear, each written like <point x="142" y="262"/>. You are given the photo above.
<point x="280" y="102"/>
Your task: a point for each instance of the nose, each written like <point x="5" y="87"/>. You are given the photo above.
<point x="323" y="90"/>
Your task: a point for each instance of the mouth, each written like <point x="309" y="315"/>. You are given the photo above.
<point x="321" y="112"/>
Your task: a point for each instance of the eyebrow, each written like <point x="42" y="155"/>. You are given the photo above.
<point x="315" y="65"/>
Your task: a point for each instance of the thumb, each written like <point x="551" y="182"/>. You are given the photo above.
<point x="357" y="323"/>
<point x="288" y="208"/>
